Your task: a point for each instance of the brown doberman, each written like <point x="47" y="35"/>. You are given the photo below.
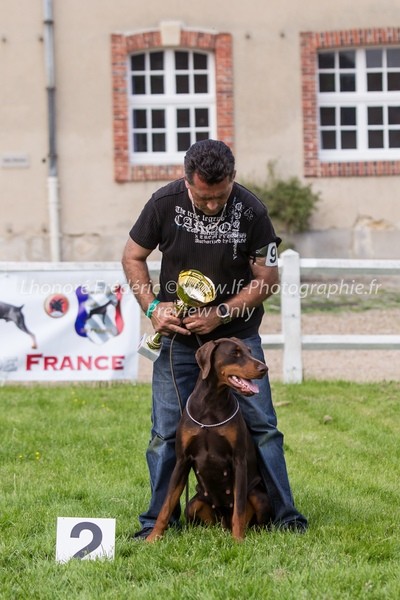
<point x="212" y="437"/>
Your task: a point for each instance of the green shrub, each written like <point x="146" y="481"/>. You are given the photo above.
<point x="290" y="203"/>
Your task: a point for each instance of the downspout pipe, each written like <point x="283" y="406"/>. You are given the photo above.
<point x="52" y="178"/>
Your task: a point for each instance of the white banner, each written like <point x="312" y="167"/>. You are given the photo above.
<point x="71" y="323"/>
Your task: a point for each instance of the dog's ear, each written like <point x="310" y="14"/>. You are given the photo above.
<point x="204" y="357"/>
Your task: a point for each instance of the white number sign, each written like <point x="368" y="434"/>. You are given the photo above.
<point x="272" y="255"/>
<point x="84" y="539"/>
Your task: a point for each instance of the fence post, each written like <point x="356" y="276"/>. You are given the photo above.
<point x="291" y="317"/>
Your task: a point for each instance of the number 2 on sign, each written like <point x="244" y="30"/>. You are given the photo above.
<point x="96" y="539"/>
<point x="84" y="539"/>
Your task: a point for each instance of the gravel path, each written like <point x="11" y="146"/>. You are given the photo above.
<point x="350" y="365"/>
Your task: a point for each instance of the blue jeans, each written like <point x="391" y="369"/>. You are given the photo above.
<point x="258" y="413"/>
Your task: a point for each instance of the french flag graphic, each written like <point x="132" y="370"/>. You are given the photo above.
<point x="99" y="313"/>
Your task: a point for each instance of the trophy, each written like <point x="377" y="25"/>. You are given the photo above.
<point x="193" y="290"/>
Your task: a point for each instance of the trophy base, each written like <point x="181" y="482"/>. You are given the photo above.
<point x="145" y="350"/>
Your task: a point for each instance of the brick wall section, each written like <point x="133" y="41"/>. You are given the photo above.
<point x="123" y="45"/>
<point x="120" y="107"/>
<point x="224" y="88"/>
<point x="311" y="43"/>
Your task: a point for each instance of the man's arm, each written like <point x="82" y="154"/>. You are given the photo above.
<point x="137" y="273"/>
<point x="263" y="285"/>
<point x="134" y="263"/>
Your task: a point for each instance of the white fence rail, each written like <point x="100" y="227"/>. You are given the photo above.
<point x="292" y="267"/>
<point x="291" y="339"/>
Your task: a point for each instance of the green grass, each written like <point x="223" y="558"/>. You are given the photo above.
<point x="79" y="451"/>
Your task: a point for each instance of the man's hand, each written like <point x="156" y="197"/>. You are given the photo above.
<point x="165" y="321"/>
<point x="202" y="320"/>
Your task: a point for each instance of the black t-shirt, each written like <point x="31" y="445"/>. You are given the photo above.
<point x="221" y="246"/>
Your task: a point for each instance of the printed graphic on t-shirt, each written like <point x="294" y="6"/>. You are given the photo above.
<point x="223" y="229"/>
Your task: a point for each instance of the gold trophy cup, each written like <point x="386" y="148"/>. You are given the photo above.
<point x="193" y="290"/>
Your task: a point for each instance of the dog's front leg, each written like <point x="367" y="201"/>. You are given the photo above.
<point x="239" y="520"/>
<point x="176" y="486"/>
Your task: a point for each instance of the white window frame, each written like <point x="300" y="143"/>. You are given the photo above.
<point x="361" y="99"/>
<point x="170" y="102"/>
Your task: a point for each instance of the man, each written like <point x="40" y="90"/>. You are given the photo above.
<point x="207" y="221"/>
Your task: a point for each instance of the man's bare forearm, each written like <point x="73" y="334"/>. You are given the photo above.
<point x="263" y="285"/>
<point x="253" y="294"/>
<point x="138" y="278"/>
<point x="137" y="274"/>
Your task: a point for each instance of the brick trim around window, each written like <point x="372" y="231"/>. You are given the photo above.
<point x="311" y="42"/>
<point x="121" y="46"/>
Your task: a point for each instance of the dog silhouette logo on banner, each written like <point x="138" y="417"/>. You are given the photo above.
<point x="14" y="314"/>
<point x="99" y="313"/>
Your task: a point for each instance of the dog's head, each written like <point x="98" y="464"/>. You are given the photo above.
<point x="229" y="361"/>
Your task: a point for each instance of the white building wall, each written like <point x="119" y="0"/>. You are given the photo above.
<point x="356" y="216"/>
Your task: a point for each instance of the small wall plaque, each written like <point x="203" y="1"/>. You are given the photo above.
<point x="14" y="160"/>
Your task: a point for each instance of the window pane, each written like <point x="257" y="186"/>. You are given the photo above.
<point x="157" y="84"/>
<point x="393" y="81"/>
<point x="394" y="115"/>
<point x="326" y="82"/>
<point x="347" y="59"/>
<point x="156" y="61"/>
<point x="349" y="140"/>
<point x="138" y="84"/>
<point x="202" y="135"/>
<point x="374" y="59"/>
<point x="327" y="115"/>
<point x="200" y="84"/>
<point x="183" y="117"/>
<point x="375" y="115"/>
<point x="394" y="139"/>
<point x="375" y="139"/>
<point x="183" y="141"/>
<point x="140" y="142"/>
<point x="347" y="83"/>
<point x="158" y="119"/>
<point x="151" y="78"/>
<point x="393" y="58"/>
<point x="374" y="82"/>
<point x="328" y="140"/>
<point x="326" y="60"/>
<point x="137" y="62"/>
<point x="181" y="60"/>
<point x="199" y="61"/>
<point x="139" y="119"/>
<point x="339" y="121"/>
<point x="158" y="140"/>
<point x="348" y="116"/>
<point x="182" y="84"/>
<point x="201" y="117"/>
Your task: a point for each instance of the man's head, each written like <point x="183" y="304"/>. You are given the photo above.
<point x="209" y="175"/>
<point x="212" y="160"/>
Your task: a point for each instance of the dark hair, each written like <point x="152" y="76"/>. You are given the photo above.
<point x="212" y="160"/>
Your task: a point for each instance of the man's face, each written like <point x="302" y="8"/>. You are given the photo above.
<point x="210" y="199"/>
